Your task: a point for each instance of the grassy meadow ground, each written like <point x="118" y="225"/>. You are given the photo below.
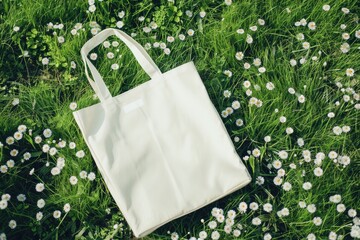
<point x="292" y="65"/>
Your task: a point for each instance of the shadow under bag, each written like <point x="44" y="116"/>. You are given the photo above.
<point x="161" y="147"/>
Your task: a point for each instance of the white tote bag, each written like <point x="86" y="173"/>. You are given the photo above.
<point x="161" y="147"/>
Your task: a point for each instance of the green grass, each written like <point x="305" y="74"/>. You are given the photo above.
<point x="46" y="91"/>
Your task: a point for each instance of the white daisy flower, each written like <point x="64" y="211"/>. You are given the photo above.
<point x="257" y="62"/>
<point x="306" y="45"/>
<point x="345" y="160"/>
<point x="247" y="84"/>
<point x="73" y="180"/>
<point x="15" y="101"/>
<point x="260" y="180"/>
<point x="267" y="236"/>
<point x="285" y="212"/>
<point x="3" y="204"/>
<point x="243" y="207"/>
<point x="256" y="152"/>
<point x="170" y="39"/>
<point x="203" y="235"/>
<point x="191" y="32"/>
<point x="47" y="133"/>
<point x="52" y="151"/>
<point x="14" y="152"/>
<point x="261" y="22"/>
<point x="262" y="69"/>
<point x="267" y="207"/>
<point x="256" y="221"/>
<point x="3" y="169"/>
<point x="253" y="28"/>
<point x="340" y="208"/>
<point x="235" y="105"/>
<point x="277" y="181"/>
<point x="312" y="25"/>
<point x="61" y="39"/>
<point x="239" y="122"/>
<point x="182" y="37"/>
<point x="291" y="90"/>
<point x="212" y="224"/>
<point x="91" y="176"/>
<point x="67" y="207"/>
<point x="121" y="14"/>
<point x="335" y="198"/>
<point x="307" y="185"/>
<point x="249" y="39"/>
<point x="227" y="93"/>
<point x="331" y="115"/>
<point x="167" y="51"/>
<point x="311" y="208"/>
<point x="289" y="130"/>
<point x="300" y="36"/>
<point x="300" y="142"/>
<point x="239" y="56"/>
<point x="318" y="172"/>
<point x="40" y="203"/>
<point x="56" y="214"/>
<point x="55" y="171"/>
<point x="345" y="36"/>
<point x="45" y="61"/>
<point x="345" y="10"/>
<point x="302" y="204"/>
<point x="72" y="145"/>
<point x="277" y="164"/>
<point x="92" y="8"/>
<point x="332" y="236"/>
<point x="114" y="66"/>
<point x="254" y="206"/>
<point x="73" y="106"/>
<point x="39" y="187"/>
<point x="10" y="140"/>
<point x="332" y="155"/>
<point x="267" y="138"/>
<point x="236" y="233"/>
<point x="21" y="197"/>
<point x="247" y="65"/>
<point x="83" y="174"/>
<point x="287" y="186"/>
<point x="228" y="2"/>
<point x="80" y="154"/>
<point x="39" y="216"/>
<point x="357" y="34"/>
<point x="281" y="172"/>
<point x="18" y="135"/>
<point x="240" y="31"/>
<point x="270" y="86"/>
<point x="93" y="56"/>
<point x="249" y="93"/>
<point x="326" y="7"/>
<point x="12" y="224"/>
<point x="228" y="73"/>
<point x="349" y="72"/>
<point x="352" y="213"/>
<point x="337" y="130"/>
<point x="292" y="165"/>
<point x="301" y="99"/>
<point x="283" y="154"/>
<point x="303" y="22"/>
<point x="215" y="234"/>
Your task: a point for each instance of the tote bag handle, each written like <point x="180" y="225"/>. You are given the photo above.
<point x="138" y="51"/>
